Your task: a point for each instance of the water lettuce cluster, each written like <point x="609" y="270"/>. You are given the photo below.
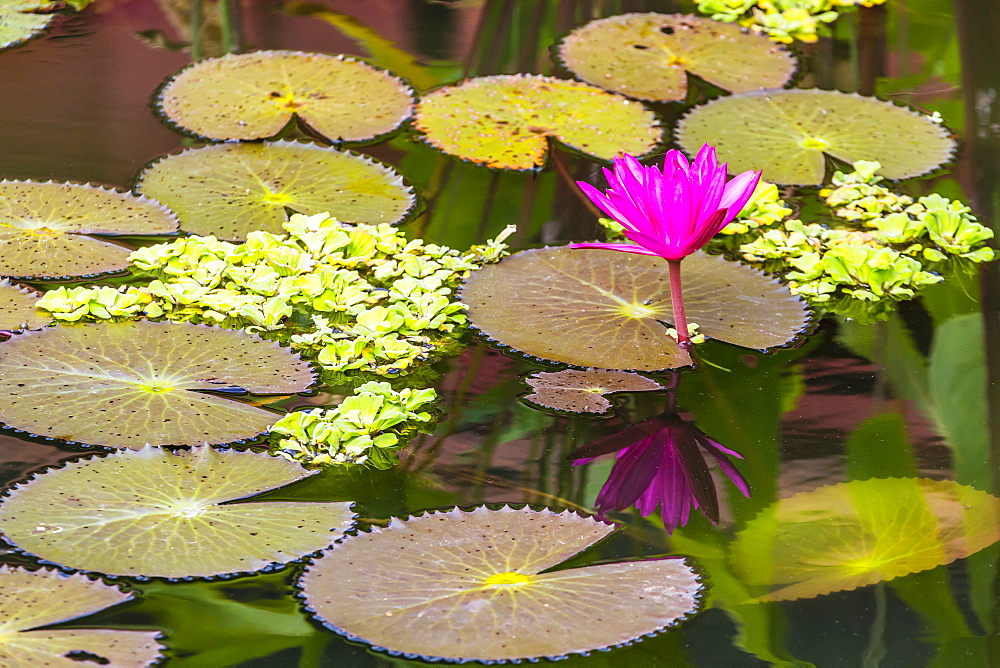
<point x="782" y="20"/>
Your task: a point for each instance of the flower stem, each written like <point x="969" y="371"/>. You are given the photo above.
<point x="677" y="301"/>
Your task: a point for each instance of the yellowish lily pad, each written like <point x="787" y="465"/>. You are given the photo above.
<point x="585" y="390"/>
<point x="17" y="308"/>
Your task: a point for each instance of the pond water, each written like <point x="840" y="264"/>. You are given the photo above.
<point x="905" y="397"/>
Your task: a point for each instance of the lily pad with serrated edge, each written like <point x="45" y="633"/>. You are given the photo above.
<point x="591" y="307"/>
<point x="583" y="391"/>
<point x="507" y="121"/>
<point x="128" y="384"/>
<point x="468" y="586"/>
<point x="157" y="513"/>
<point x="786" y="133"/>
<point x="17" y="308"/>
<point x="44" y="228"/>
<point x="855" y="534"/>
<point x="21" y="20"/>
<point x="254" y="95"/>
<point x="33" y="599"/>
<point x="230" y="190"/>
<point x="648" y="56"/>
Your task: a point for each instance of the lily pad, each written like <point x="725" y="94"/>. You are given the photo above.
<point x="583" y="391"/>
<point x="854" y="534"/>
<point x="157" y="513"/>
<point x="230" y="190"/>
<point x="508" y="121"/>
<point x="468" y="586"/>
<point x="648" y="56"/>
<point x="128" y="384"/>
<point x="43" y="228"/>
<point x="17" y="308"/>
<point x="32" y="599"/>
<point x="601" y="308"/>
<point x="20" y="20"/>
<point x="786" y="133"/>
<point x="254" y="95"/>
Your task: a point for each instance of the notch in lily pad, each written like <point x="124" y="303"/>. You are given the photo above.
<point x="479" y="586"/>
<point x="584" y="390"/>
<point x="648" y="56"/>
<point x="128" y="384"/>
<point x="169" y="514"/>
<point x="255" y="95"/>
<point x="599" y="308"/>
<point x="509" y="121"/>
<point x="788" y="133"/>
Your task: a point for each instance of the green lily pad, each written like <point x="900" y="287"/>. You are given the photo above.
<point x="786" y="133"/>
<point x="601" y="308"/>
<point x="17" y="308"/>
<point x="43" y="228"/>
<point x="157" y="513"/>
<point x="855" y="534"/>
<point x="468" y="586"/>
<point x="32" y="599"/>
<point x="583" y="391"/>
<point x="128" y="384"/>
<point x="254" y="95"/>
<point x="507" y="122"/>
<point x="230" y="190"/>
<point x="648" y="56"/>
<point x="21" y="20"/>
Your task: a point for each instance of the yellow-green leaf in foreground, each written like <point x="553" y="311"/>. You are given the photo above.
<point x="507" y="122"/>
<point x="648" y="56"/>
<point x="230" y="190"/>
<point x="17" y="308"/>
<point x="786" y="133"/>
<point x="32" y="599"/>
<point x="157" y="513"/>
<point x="43" y="228"/>
<point x="128" y="384"/>
<point x="469" y="586"/>
<point x="254" y="95"/>
<point x="861" y="532"/>
<point x="583" y="391"/>
<point x="20" y="20"/>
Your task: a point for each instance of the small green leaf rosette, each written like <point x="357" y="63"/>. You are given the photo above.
<point x="583" y="390"/>
<point x="648" y="56"/>
<point x="17" y="308"/>
<point x="169" y="514"/>
<point x="509" y="121"/>
<point x="255" y="95"/>
<point x="462" y="586"/>
<point x="788" y="133"/>
<point x="606" y="309"/>
<point x="230" y="190"/>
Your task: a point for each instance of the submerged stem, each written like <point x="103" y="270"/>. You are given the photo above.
<point x="677" y="301"/>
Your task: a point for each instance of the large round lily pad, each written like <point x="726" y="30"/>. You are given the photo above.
<point x="507" y="122"/>
<point x="648" y="56"/>
<point x="785" y="133"/>
<point x="42" y="228"/>
<point x="583" y="391"/>
<point x="157" y="513"/>
<point x="230" y="190"/>
<point x="254" y="95"/>
<point x="468" y="586"/>
<point x="601" y="308"/>
<point x="126" y="384"/>
<point x="17" y="308"/>
<point x="33" y="599"/>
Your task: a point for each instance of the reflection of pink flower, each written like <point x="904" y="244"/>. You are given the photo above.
<point x="660" y="463"/>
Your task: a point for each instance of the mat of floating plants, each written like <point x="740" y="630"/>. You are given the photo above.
<point x="469" y="586"/>
<point x="230" y="190"/>
<point x="157" y="513"/>
<point x="584" y="390"/>
<point x="648" y="56"/>
<point x="508" y="121"/>
<point x="255" y="95"/>
<point x="128" y="384"/>
<point x="17" y="308"/>
<point x="44" y="228"/>
<point x="787" y="133"/>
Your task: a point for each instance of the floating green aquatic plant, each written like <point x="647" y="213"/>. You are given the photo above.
<point x="468" y="586"/>
<point x="584" y="390"/>
<point x="782" y="20"/>
<point x="21" y="20"/>
<point x="17" y="308"/>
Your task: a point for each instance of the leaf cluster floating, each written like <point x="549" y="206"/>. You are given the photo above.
<point x="469" y="586"/>
<point x="18" y="310"/>
<point x="648" y="56"/>
<point x="787" y="133"/>
<point x="255" y="95"/>
<point x="584" y="391"/>
<point x="230" y="190"/>
<point x="128" y="384"/>
<point x="33" y="599"/>
<point x="598" y="308"/>
<point x="157" y="513"/>
<point x="44" y="228"/>
<point x="783" y="21"/>
<point x="508" y="121"/>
